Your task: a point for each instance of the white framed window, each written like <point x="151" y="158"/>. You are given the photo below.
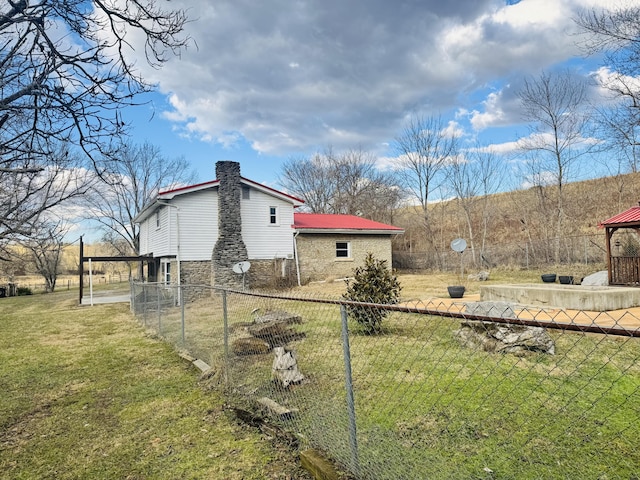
<point x="165" y="271"/>
<point x="343" y="249"/>
<point x="157" y="218"/>
<point x="273" y="215"/>
<point x="246" y="193"/>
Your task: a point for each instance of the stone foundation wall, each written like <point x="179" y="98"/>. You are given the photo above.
<point x="273" y="273"/>
<point x="317" y="254"/>
<point x="193" y="273"/>
<point x="277" y="272"/>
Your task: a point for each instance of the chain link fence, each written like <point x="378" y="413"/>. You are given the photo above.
<point x="579" y="249"/>
<point x="446" y="390"/>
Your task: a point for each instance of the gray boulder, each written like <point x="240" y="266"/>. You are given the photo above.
<point x="598" y="279"/>
<point x="505" y="338"/>
<point x="491" y="309"/>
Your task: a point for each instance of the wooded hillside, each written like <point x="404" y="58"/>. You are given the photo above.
<point x="516" y="228"/>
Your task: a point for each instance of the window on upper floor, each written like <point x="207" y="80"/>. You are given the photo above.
<point x="157" y="218"/>
<point x="273" y="215"/>
<point x="246" y="193"/>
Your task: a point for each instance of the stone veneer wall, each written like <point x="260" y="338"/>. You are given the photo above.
<point x="317" y="254"/>
<point x="193" y="273"/>
<point x="229" y="248"/>
<point x="277" y="272"/>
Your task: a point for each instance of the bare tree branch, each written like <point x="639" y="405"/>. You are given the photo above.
<point x="131" y="176"/>
<point x="347" y="183"/>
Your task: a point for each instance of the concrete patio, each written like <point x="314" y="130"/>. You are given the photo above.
<point x="574" y="297"/>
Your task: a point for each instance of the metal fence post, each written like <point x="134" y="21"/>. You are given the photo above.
<point x="351" y="407"/>
<point x="144" y="305"/>
<point x="159" y="310"/>
<point x="132" y="298"/>
<point x="225" y="336"/>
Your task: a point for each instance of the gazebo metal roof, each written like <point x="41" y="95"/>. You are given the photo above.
<point x="623" y="269"/>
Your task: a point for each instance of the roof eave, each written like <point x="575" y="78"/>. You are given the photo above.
<point x="358" y="231"/>
<point x="146" y="211"/>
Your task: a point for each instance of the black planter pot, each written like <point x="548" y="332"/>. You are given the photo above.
<point x="456" y="291"/>
<point x="548" y="277"/>
<point x="566" y="279"/>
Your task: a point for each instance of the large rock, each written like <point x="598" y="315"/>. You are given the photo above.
<point x="598" y="279"/>
<point x="505" y="338"/>
<point x="250" y="346"/>
<point x="285" y="367"/>
<point x="479" y="277"/>
<point x="278" y="316"/>
<point x="491" y="309"/>
<point x="273" y="327"/>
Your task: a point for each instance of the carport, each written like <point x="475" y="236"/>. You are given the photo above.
<point x="96" y="258"/>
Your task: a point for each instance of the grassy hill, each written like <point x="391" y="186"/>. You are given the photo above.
<point x="519" y="226"/>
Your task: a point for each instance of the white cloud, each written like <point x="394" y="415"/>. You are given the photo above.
<point x="294" y="76"/>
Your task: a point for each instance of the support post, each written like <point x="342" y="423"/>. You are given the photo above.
<point x="90" y="283"/>
<point x="81" y="272"/>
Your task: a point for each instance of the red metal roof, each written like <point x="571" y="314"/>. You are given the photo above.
<point x="327" y="221"/>
<point x="629" y="216"/>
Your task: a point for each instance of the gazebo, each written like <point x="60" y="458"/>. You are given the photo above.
<point x="623" y="247"/>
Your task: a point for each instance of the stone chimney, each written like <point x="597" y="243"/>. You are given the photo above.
<point x="230" y="248"/>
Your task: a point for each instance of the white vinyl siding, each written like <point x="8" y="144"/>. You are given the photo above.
<point x="196" y="220"/>
<point x="198" y="223"/>
<point x="143" y="239"/>
<point x="156" y="239"/>
<point x="263" y="239"/>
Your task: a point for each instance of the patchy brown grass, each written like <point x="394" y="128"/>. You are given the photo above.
<point x="88" y="394"/>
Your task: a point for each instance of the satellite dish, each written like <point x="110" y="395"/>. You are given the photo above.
<point x="241" y="267"/>
<point x="458" y="245"/>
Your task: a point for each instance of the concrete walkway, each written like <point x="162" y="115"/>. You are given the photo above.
<point x="102" y="299"/>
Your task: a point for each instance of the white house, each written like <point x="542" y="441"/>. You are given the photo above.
<point x="196" y="234"/>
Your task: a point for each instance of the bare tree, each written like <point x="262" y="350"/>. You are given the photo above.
<point x="26" y="194"/>
<point x="620" y="127"/>
<point x="131" y="175"/>
<point x="616" y="32"/>
<point x="556" y="107"/>
<point x="473" y="177"/>
<point x="425" y="147"/>
<point x="64" y="76"/>
<point x="310" y="179"/>
<point x="347" y="183"/>
<point x="45" y="250"/>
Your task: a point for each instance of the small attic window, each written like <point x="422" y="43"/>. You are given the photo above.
<point x="246" y="193"/>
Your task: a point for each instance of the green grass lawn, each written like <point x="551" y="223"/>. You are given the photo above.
<point x="428" y="407"/>
<point x="85" y="393"/>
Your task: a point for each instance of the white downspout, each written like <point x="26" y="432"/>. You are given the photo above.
<point x="295" y="252"/>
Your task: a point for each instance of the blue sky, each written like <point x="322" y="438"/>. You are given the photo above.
<point x="264" y="81"/>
